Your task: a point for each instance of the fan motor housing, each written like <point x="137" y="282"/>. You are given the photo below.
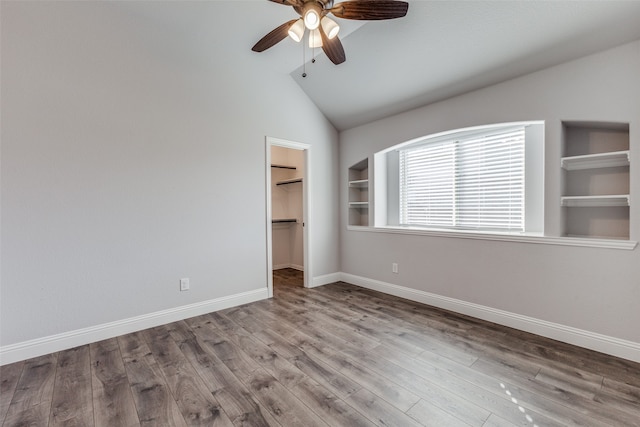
<point x="326" y="4"/>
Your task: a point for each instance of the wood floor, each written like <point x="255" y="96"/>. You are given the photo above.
<point x="336" y="355"/>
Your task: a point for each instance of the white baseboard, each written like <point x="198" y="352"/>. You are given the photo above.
<point x="38" y="347"/>
<point x="325" y="279"/>
<point x="294" y="266"/>
<point x="605" y="344"/>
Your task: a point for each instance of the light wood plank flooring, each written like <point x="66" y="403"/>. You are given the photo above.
<point x="336" y="355"/>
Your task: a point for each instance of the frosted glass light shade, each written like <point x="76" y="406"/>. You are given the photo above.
<point x="330" y="27"/>
<point x="312" y="17"/>
<point x="315" y="39"/>
<point x="296" y="31"/>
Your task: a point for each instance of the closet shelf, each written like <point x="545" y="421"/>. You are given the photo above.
<point x="360" y="183"/>
<point x="283" y="166"/>
<point x="289" y="181"/>
<point x="283" y="220"/>
<point x="594" y="161"/>
<point x="595" y="201"/>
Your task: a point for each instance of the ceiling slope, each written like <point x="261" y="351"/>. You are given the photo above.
<point x="439" y="50"/>
<point x="445" y="48"/>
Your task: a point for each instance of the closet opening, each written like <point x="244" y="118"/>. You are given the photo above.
<point x="287" y="214"/>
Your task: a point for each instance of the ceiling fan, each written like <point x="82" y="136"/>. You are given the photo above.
<point x="323" y="31"/>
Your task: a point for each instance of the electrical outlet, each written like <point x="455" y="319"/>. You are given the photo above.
<point x="184" y="284"/>
<point x="394" y="267"/>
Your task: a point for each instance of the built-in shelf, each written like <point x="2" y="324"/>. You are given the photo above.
<point x="596" y="180"/>
<point x="358" y="191"/>
<point x="595" y="161"/>
<point x="359" y="205"/>
<point x="283" y="166"/>
<point x="289" y="181"/>
<point x="359" y="183"/>
<point x="595" y="201"/>
<point x="283" y="220"/>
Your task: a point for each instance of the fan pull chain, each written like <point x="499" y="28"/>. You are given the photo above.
<point x="304" y="61"/>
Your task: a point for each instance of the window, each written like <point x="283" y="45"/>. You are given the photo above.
<point x="482" y="180"/>
<point x="468" y="180"/>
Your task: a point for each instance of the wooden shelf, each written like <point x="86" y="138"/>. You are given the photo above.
<point x="283" y="166"/>
<point x="289" y="181"/>
<point x="360" y="183"/>
<point x="595" y="201"/>
<point x="359" y="205"/>
<point x="594" y="161"/>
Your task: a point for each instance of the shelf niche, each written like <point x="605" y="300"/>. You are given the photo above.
<point x="596" y="183"/>
<point x="358" y="188"/>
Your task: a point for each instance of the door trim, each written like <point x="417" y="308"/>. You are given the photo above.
<point x="306" y="208"/>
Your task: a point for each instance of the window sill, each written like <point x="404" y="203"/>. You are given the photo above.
<point x="505" y="237"/>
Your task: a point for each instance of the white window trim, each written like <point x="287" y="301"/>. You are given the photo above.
<point x="503" y="237"/>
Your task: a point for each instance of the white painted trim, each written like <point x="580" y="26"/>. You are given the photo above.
<point x="40" y="346"/>
<point x="517" y="238"/>
<point x="269" y="218"/>
<point x="326" y="279"/>
<point x="606" y="344"/>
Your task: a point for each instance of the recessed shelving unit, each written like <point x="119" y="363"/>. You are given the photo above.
<point x="596" y="162"/>
<point x="358" y="187"/>
<point x="284" y="221"/>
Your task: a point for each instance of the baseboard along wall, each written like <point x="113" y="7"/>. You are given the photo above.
<point x="283" y="266"/>
<point x="605" y="344"/>
<point x="610" y="345"/>
<point x="38" y="347"/>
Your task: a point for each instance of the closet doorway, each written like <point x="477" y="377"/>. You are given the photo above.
<point x="287" y="200"/>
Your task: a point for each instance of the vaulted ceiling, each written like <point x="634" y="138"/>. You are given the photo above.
<point x="440" y="49"/>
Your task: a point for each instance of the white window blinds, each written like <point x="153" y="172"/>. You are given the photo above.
<point x="473" y="182"/>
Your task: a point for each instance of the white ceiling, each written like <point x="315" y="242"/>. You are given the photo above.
<point x="440" y="49"/>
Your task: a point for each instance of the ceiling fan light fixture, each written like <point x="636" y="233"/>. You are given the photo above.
<point x="296" y="31"/>
<point x="330" y="27"/>
<point x="315" y="39"/>
<point x="312" y="15"/>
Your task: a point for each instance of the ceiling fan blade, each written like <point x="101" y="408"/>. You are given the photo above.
<point x="274" y="37"/>
<point x="370" y="10"/>
<point x="332" y="48"/>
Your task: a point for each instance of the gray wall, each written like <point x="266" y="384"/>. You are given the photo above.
<point x="129" y="160"/>
<point x="592" y="289"/>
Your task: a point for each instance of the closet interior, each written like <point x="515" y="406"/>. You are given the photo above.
<point x="287" y="172"/>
